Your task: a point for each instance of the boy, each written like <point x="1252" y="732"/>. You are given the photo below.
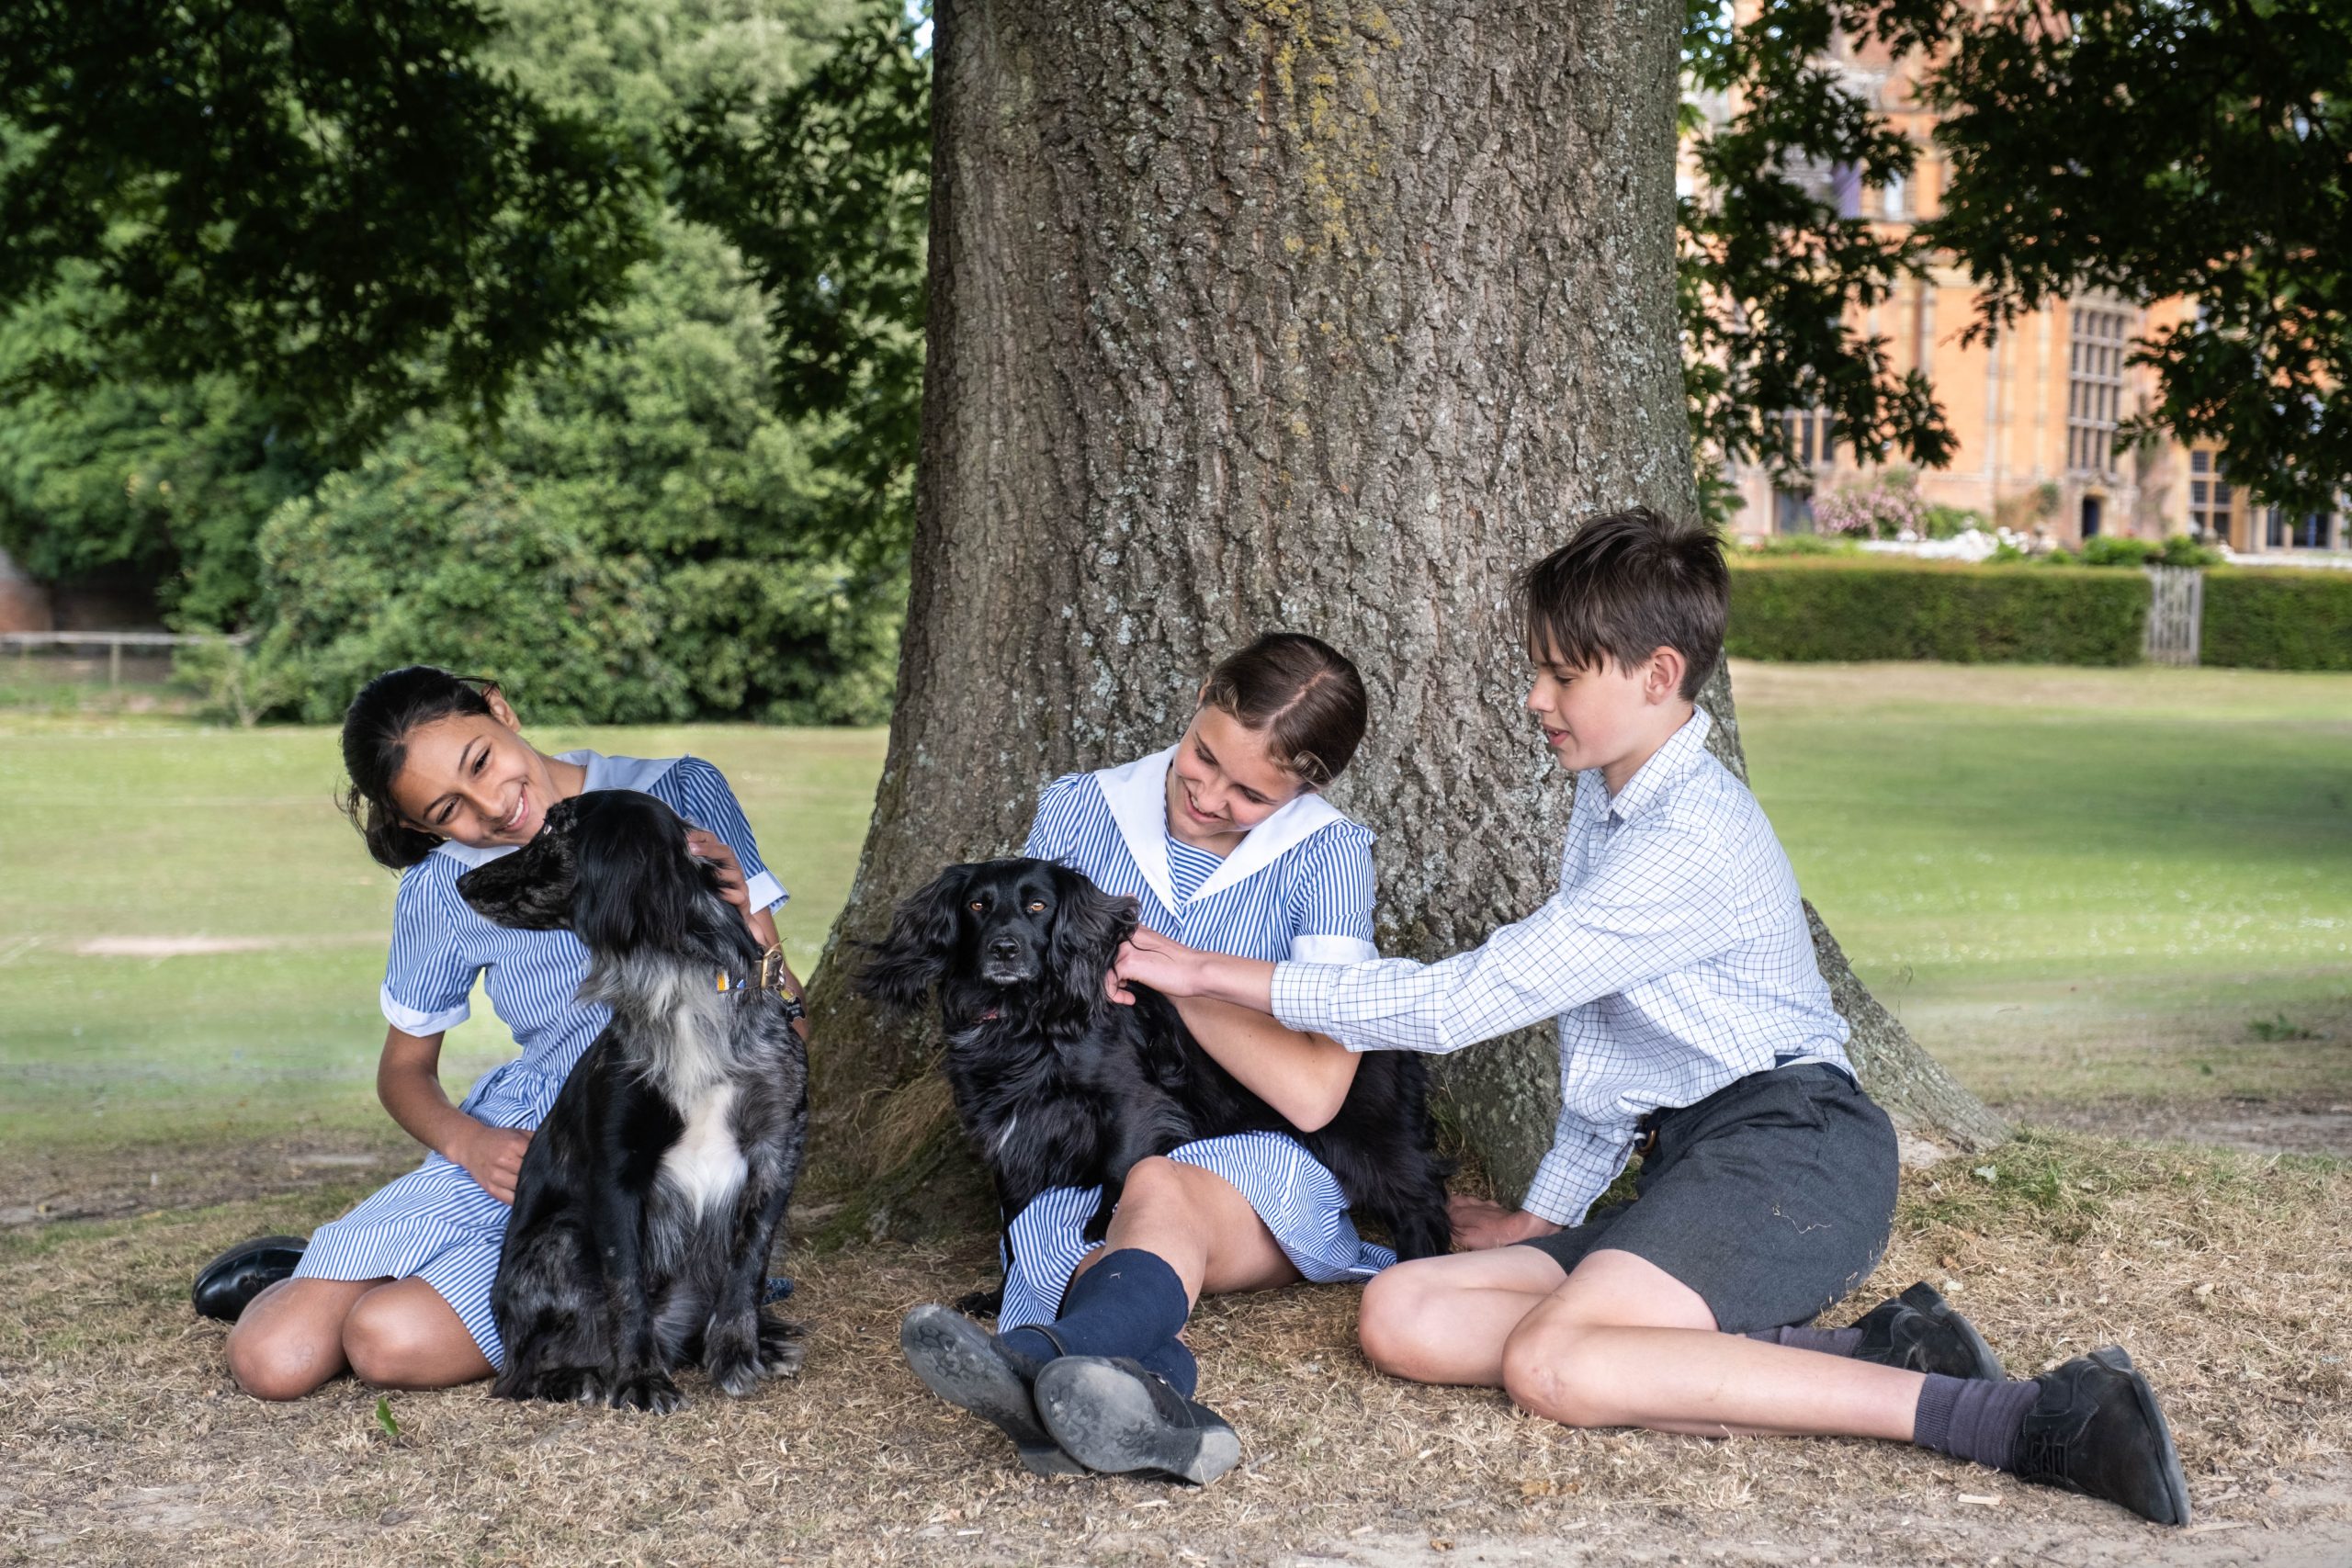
<point x="1695" y="1029"/>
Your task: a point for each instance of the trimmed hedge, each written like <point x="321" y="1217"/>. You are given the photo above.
<point x="2269" y="618"/>
<point x="1844" y="607"/>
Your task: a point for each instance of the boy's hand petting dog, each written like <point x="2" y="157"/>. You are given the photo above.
<point x="492" y="1157"/>
<point x="1479" y="1223"/>
<point x="1153" y="960"/>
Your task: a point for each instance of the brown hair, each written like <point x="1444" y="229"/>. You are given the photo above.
<point x="1625" y="585"/>
<point x="375" y="728"/>
<point x="1302" y="693"/>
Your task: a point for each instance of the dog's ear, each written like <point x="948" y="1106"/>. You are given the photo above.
<point x="1087" y="928"/>
<point x="914" y="954"/>
<point x="530" y="889"/>
<point x="637" y="887"/>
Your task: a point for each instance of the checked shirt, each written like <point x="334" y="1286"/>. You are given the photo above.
<point x="1675" y="958"/>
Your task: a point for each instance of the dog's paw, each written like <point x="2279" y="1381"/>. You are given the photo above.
<point x="783" y="1346"/>
<point x="736" y="1375"/>
<point x="650" y="1391"/>
<point x="981" y="1303"/>
<point x="568" y="1385"/>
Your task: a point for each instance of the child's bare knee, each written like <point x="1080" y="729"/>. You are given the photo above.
<point x="387" y="1344"/>
<point x="278" y="1365"/>
<point x="1153" y="1178"/>
<point x="1395" y="1321"/>
<point x="1551" y="1371"/>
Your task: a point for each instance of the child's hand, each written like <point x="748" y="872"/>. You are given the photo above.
<point x="493" y="1156"/>
<point x="1152" y="960"/>
<point x="1479" y="1224"/>
<point x="710" y="846"/>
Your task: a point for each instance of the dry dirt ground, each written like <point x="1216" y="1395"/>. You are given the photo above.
<point x="2228" y="1275"/>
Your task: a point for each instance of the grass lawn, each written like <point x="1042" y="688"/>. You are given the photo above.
<point x="2076" y="884"/>
<point x="122" y="837"/>
<point x="2072" y="884"/>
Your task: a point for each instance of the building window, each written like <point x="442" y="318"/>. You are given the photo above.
<point x="1811" y="441"/>
<point x="2209" y="498"/>
<point x="1892" y="200"/>
<point x="1791" y="512"/>
<point x="2093" y="390"/>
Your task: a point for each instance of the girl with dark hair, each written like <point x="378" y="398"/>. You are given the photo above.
<point x="1226" y="843"/>
<point x="397" y="1291"/>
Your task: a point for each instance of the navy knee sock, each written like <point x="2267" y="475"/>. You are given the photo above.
<point x="1131" y="1304"/>
<point x="1831" y="1341"/>
<point x="1974" y="1418"/>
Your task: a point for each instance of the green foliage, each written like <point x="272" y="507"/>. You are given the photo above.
<point x="646" y="542"/>
<point x="2154" y="148"/>
<point x="2180" y="549"/>
<point x="1950" y="522"/>
<point x="2265" y="618"/>
<point x="166" y="479"/>
<point x="2145" y="148"/>
<point x="1805" y="544"/>
<point x="339" y="203"/>
<point x="826" y="191"/>
<point x="1867" y="607"/>
<point x="422" y="556"/>
<point x="1768" y="263"/>
<point x="634" y="66"/>
<point x="2109" y="550"/>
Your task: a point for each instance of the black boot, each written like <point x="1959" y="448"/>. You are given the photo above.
<point x="1116" y="1416"/>
<point x="228" y="1285"/>
<point x="1919" y="1332"/>
<point x="973" y="1370"/>
<point x="2095" y="1429"/>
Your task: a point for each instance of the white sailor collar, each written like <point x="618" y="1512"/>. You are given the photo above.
<point x="603" y="773"/>
<point x="1137" y="792"/>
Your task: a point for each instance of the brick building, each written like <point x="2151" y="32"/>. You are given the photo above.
<point x="2035" y="410"/>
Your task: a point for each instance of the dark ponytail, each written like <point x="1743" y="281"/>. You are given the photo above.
<point x="375" y="728"/>
<point x="1302" y="693"/>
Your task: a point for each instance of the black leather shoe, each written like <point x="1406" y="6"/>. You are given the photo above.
<point x="228" y="1285"/>
<point x="1919" y="1332"/>
<point x="973" y="1370"/>
<point x="1114" y="1417"/>
<point x="2095" y="1429"/>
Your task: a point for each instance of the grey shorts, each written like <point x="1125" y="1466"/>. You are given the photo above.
<point x="1771" y="1198"/>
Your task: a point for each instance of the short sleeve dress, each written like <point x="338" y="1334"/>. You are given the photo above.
<point x="1299" y="887"/>
<point x="436" y="1224"/>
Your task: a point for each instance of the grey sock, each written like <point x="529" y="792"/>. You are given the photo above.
<point x="1974" y="1418"/>
<point x="1829" y="1341"/>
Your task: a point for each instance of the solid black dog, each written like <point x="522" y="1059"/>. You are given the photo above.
<point x="652" y="1195"/>
<point x="1061" y="1087"/>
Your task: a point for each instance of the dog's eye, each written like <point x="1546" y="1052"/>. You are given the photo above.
<point x="1037" y="906"/>
<point x="979" y="906"/>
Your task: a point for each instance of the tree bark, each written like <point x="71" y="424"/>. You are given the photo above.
<point x="1276" y="314"/>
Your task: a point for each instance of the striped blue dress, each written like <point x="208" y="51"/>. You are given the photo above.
<point x="1299" y="886"/>
<point x="436" y="1224"/>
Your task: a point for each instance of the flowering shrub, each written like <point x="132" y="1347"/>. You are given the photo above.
<point x="1886" y="508"/>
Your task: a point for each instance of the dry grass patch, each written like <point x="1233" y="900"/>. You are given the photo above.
<point x="124" y="1441"/>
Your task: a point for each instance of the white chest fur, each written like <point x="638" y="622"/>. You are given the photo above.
<point x="706" y="1165"/>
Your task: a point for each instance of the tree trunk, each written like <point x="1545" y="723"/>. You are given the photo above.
<point x="1291" y="313"/>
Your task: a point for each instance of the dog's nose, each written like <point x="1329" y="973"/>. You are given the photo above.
<point x="1004" y="947"/>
